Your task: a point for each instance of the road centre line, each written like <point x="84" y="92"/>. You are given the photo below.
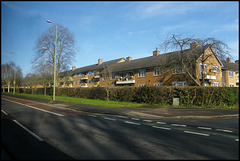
<point x="224" y="130"/>
<point x="123" y="117"/>
<point x="4" y="112"/>
<point x="161" y="123"/>
<point x="147" y="120"/>
<point x="236" y="139"/>
<point x="34" y="107"/>
<point x="197" y="133"/>
<point x="92" y="115"/>
<point x="109" y="119"/>
<point x="129" y="122"/>
<point x="205" y="128"/>
<point x="134" y="118"/>
<point x="165" y="128"/>
<point x="33" y="134"/>
<point x="178" y="125"/>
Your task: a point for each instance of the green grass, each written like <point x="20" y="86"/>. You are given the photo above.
<point x="83" y="100"/>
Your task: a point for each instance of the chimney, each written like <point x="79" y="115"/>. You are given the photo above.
<point x="156" y="52"/>
<point x="99" y="61"/>
<point x="229" y="59"/>
<point x="73" y="68"/>
<point x="128" y="59"/>
<point x="237" y="61"/>
<point x="194" y="44"/>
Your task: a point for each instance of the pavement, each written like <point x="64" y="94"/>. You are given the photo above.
<point x="146" y="112"/>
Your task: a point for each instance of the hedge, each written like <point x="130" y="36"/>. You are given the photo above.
<point x="199" y="96"/>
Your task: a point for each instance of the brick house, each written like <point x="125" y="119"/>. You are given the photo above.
<point x="230" y="73"/>
<point x="156" y="70"/>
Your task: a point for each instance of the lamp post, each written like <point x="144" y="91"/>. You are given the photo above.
<point x="14" y="82"/>
<point x="55" y="51"/>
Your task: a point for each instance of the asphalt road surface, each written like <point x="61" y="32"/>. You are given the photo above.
<point x="42" y="132"/>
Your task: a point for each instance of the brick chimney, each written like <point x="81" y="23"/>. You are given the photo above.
<point x="99" y="61"/>
<point x="156" y="52"/>
<point x="229" y="59"/>
<point x="237" y="61"/>
<point x="128" y="59"/>
<point x="194" y="44"/>
<point x="73" y="68"/>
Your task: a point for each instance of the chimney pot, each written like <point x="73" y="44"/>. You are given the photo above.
<point x="156" y="52"/>
<point x="229" y="59"/>
<point x="73" y="68"/>
<point x="128" y="59"/>
<point x="194" y="44"/>
<point x="237" y="61"/>
<point x="99" y="61"/>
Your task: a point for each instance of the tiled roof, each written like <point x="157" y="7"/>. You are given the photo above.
<point x="230" y="66"/>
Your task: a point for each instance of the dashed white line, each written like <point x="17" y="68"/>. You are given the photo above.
<point x="109" y="119"/>
<point x="236" y="139"/>
<point x="205" y="128"/>
<point x="123" y="117"/>
<point x="4" y="112"/>
<point x="34" y="107"/>
<point x="165" y="128"/>
<point x="224" y="130"/>
<point x="197" y="133"/>
<point x="134" y="118"/>
<point x="147" y="120"/>
<point x="129" y="122"/>
<point x="178" y="125"/>
<point x="161" y="123"/>
<point x="37" y="137"/>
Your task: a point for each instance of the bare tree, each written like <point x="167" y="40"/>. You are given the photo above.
<point x="187" y="60"/>
<point x="107" y="81"/>
<point x="45" y="49"/>
<point x="7" y="74"/>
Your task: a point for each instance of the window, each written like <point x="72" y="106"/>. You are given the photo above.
<point x="75" y="75"/>
<point x="80" y="74"/>
<point x="205" y="68"/>
<point x="216" y="84"/>
<point x="89" y="80"/>
<point x="113" y="77"/>
<point x="157" y="72"/>
<point x="94" y="72"/>
<point x="141" y="85"/>
<point x="231" y="85"/>
<point x="230" y="73"/>
<point x="90" y="72"/>
<point x="183" y="83"/>
<point x="216" y="68"/>
<point x="179" y="69"/>
<point x="142" y="73"/>
<point x="75" y="82"/>
<point x="79" y="81"/>
<point x="158" y="84"/>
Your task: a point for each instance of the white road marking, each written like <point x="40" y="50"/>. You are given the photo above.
<point x="4" y="112"/>
<point x="236" y="140"/>
<point x="197" y="133"/>
<point x="128" y="122"/>
<point x="165" y="128"/>
<point x="109" y="119"/>
<point x="147" y="120"/>
<point x="33" y="134"/>
<point x="123" y="117"/>
<point x="92" y="115"/>
<point x="224" y="130"/>
<point x="205" y="128"/>
<point x="178" y="125"/>
<point x="161" y="123"/>
<point x="134" y="118"/>
<point x="34" y="107"/>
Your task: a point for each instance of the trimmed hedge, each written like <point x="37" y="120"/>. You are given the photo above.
<point x="198" y="96"/>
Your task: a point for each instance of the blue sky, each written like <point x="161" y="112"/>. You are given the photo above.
<point x="111" y="30"/>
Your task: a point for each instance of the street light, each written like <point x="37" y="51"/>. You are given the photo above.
<point x="14" y="82"/>
<point x="55" y="51"/>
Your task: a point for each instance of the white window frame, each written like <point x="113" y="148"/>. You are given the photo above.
<point x="205" y="68"/>
<point x="79" y="74"/>
<point x="142" y="73"/>
<point x="231" y="85"/>
<point x="75" y="75"/>
<point x="141" y="85"/>
<point x="89" y="72"/>
<point x="216" y="68"/>
<point x="158" y="84"/>
<point x="75" y="82"/>
<point x="180" y="83"/>
<point x="157" y="71"/>
<point x="230" y="75"/>
<point x="216" y="84"/>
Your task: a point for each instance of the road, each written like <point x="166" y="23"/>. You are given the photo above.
<point x="81" y="135"/>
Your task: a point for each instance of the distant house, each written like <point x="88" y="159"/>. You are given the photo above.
<point x="156" y="70"/>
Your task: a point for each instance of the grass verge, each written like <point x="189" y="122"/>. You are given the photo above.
<point x="83" y="100"/>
